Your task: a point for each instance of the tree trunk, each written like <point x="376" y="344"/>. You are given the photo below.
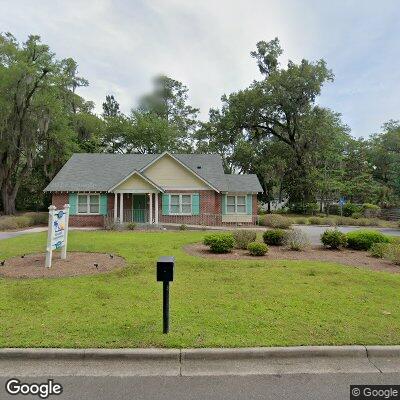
<point x="8" y="196"/>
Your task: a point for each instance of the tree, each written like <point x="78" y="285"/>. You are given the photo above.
<point x="162" y="121"/>
<point x="384" y="155"/>
<point x="168" y="102"/>
<point x="281" y="105"/>
<point x="37" y="92"/>
<point x="110" y="107"/>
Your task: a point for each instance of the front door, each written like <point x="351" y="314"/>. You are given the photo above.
<point x="139" y="208"/>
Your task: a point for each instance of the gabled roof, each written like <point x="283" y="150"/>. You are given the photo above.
<point x="100" y="172"/>
<point x="195" y="171"/>
<point x="136" y="172"/>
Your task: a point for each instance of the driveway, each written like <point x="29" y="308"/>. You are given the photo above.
<point x="314" y="232"/>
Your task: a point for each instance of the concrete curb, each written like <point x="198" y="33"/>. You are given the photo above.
<point x="273" y="352"/>
<point x="91" y="354"/>
<point x="354" y="351"/>
<point x="200" y="362"/>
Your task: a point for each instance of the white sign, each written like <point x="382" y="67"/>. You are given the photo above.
<point x="58" y="230"/>
<point x="57" y="233"/>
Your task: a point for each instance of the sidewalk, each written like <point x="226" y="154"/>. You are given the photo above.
<point x="200" y="362"/>
<point x="36" y="229"/>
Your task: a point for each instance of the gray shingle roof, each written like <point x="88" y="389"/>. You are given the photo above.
<point x="100" y="171"/>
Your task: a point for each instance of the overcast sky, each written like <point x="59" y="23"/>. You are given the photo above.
<point x="120" y="45"/>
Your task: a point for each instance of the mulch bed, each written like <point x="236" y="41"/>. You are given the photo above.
<point x="353" y="258"/>
<point x="32" y="265"/>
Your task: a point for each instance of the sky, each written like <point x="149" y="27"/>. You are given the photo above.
<point x="121" y="45"/>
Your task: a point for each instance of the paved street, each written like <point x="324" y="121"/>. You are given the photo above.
<point x="315" y="232"/>
<point x="274" y="387"/>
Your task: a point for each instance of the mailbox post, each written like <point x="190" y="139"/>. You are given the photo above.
<point x="165" y="274"/>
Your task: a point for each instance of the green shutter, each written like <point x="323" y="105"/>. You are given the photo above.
<point x="165" y="204"/>
<point x="73" y="200"/>
<point x="223" y="204"/>
<point x="103" y="204"/>
<point x="195" y="204"/>
<point x="249" y="204"/>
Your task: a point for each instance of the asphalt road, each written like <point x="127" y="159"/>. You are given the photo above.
<point x="274" y="387"/>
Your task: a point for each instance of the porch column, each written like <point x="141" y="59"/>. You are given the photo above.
<point x="121" y="208"/>
<point x="156" y="208"/>
<point x="151" y="208"/>
<point x="115" y="206"/>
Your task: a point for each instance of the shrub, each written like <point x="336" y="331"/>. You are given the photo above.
<point x="131" y="226"/>
<point x="357" y="215"/>
<point x="183" y="227"/>
<point x="274" y="237"/>
<point x="297" y="240"/>
<point x="315" y="221"/>
<point x="276" y="221"/>
<point x="243" y="238"/>
<point x="301" y="221"/>
<point x="392" y="253"/>
<point x="370" y="210"/>
<point x="334" y="239"/>
<point x="257" y="248"/>
<point x="330" y="221"/>
<point x="307" y="208"/>
<point x="8" y="223"/>
<point x="350" y="208"/>
<point x="378" y="250"/>
<point x="362" y="222"/>
<point x="38" y="218"/>
<point x="364" y="239"/>
<point x="220" y="242"/>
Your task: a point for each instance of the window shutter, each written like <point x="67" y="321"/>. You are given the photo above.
<point x="195" y="204"/>
<point x="249" y="204"/>
<point x="73" y="199"/>
<point x="223" y="204"/>
<point x="103" y="204"/>
<point x="165" y="204"/>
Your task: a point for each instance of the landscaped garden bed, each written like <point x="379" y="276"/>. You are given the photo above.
<point x="77" y="263"/>
<point x="361" y="259"/>
<point x="257" y="301"/>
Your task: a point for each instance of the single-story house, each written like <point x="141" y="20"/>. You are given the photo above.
<point x="155" y="189"/>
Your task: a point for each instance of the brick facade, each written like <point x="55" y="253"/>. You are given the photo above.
<point x="210" y="209"/>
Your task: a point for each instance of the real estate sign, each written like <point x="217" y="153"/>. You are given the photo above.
<point x="57" y="232"/>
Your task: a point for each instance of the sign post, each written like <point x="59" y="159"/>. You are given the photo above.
<point x="57" y="234"/>
<point x="342" y="202"/>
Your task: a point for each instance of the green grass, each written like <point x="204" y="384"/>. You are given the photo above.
<point x="213" y="303"/>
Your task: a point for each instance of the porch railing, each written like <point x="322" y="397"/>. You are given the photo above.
<point x="129" y="215"/>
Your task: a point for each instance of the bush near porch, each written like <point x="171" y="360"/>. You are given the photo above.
<point x="213" y="303"/>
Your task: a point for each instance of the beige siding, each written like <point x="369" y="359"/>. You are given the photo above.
<point x="135" y="182"/>
<point x="236" y="218"/>
<point x="169" y="174"/>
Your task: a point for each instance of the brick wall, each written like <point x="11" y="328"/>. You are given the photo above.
<point x="210" y="209"/>
<point x="59" y="199"/>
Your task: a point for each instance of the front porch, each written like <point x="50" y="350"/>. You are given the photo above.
<point x="135" y="206"/>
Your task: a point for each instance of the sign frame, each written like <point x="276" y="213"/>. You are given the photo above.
<point x="53" y="234"/>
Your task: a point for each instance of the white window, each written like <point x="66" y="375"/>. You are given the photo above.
<point x="180" y="204"/>
<point x="236" y="204"/>
<point x="88" y="204"/>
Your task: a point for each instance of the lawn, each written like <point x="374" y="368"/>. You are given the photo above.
<point x="213" y="303"/>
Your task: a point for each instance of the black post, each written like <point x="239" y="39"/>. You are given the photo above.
<point x="165" y="306"/>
